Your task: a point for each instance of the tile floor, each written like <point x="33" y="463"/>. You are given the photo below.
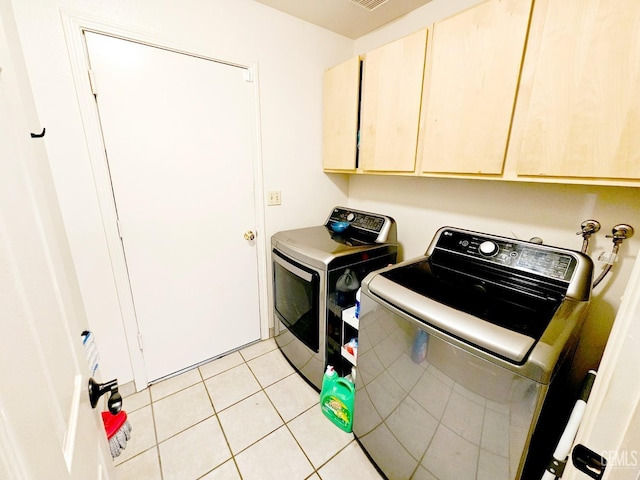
<point x="247" y="415"/>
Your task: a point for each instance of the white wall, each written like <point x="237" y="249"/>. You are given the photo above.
<point x="520" y="210"/>
<point x="291" y="57"/>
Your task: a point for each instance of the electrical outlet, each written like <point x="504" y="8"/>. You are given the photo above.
<point x="273" y="198"/>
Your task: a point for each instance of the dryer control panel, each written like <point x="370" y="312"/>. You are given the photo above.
<point x="380" y="227"/>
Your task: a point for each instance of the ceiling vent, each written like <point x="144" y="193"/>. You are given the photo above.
<point x="369" y="4"/>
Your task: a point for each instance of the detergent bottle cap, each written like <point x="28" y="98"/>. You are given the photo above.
<point x="330" y="371"/>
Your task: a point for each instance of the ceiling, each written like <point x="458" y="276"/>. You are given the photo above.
<point x="351" y="18"/>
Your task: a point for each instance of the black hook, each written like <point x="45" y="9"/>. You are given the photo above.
<point x="39" y="135"/>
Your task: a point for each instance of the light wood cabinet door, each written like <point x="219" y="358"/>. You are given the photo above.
<point x="470" y="88"/>
<point x="390" y="111"/>
<point x="579" y="112"/>
<point x="340" y="106"/>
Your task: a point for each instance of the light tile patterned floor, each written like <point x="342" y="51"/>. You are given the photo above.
<point x="247" y="415"/>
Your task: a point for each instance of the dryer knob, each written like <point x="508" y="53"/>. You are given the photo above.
<point x="488" y="248"/>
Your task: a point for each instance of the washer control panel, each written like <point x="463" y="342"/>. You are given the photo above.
<point x="541" y="259"/>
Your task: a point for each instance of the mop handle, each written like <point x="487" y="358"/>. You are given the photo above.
<point x="565" y="443"/>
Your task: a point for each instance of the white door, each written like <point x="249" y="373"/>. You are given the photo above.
<point x="48" y="429"/>
<point x="179" y="132"/>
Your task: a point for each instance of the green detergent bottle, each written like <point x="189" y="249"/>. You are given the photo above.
<point x="336" y="399"/>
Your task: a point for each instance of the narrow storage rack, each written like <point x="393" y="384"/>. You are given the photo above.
<point x="350" y="325"/>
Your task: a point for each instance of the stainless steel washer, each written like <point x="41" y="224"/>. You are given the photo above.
<point x="458" y="350"/>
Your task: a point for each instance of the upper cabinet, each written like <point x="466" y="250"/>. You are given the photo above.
<point x="340" y="107"/>
<point x="470" y="88"/>
<point x="578" y="113"/>
<point x="390" y="109"/>
<point x="520" y="90"/>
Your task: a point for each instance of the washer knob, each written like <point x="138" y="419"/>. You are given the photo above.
<point x="351" y="216"/>
<point x="488" y="248"/>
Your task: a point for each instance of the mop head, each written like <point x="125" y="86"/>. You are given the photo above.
<point x="118" y="431"/>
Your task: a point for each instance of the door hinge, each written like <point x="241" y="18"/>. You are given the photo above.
<point x="248" y="75"/>
<point x="92" y="82"/>
<point x="140" y="341"/>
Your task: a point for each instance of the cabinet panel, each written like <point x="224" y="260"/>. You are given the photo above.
<point x="391" y="96"/>
<point x="581" y="113"/>
<point x="470" y="88"/>
<point x="340" y="105"/>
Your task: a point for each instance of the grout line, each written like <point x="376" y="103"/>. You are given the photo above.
<point x="204" y="379"/>
<point x="286" y="424"/>
<point x="224" y="434"/>
<point x="263" y="389"/>
<point x="334" y="455"/>
<point x="155" y="433"/>
<point x="237" y="402"/>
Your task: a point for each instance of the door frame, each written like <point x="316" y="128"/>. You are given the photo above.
<point x="74" y="24"/>
<point x="609" y="425"/>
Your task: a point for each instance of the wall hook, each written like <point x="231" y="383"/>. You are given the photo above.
<point x="39" y="135"/>
<point x="96" y="390"/>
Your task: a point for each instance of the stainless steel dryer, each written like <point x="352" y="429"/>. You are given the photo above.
<point x="309" y="265"/>
<point x="458" y="350"/>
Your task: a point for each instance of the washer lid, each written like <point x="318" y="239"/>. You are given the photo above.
<point x="496" y="339"/>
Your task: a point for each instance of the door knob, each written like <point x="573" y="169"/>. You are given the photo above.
<point x="96" y="390"/>
<point x="249" y="235"/>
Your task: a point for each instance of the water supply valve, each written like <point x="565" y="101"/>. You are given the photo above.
<point x="588" y="228"/>
<point x="621" y="232"/>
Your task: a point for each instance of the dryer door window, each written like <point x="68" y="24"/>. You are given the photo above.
<point x="296" y="292"/>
